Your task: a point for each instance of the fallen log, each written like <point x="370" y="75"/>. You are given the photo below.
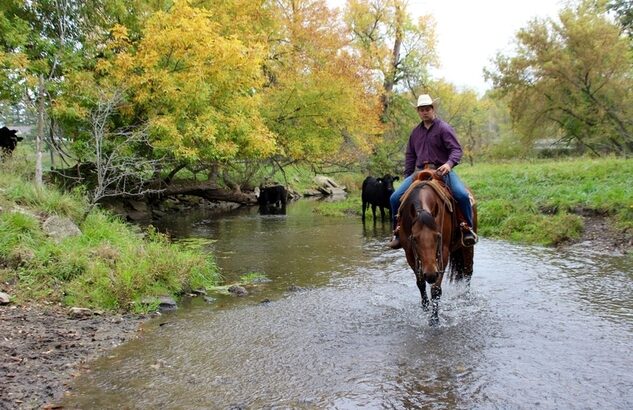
<point x="208" y="191"/>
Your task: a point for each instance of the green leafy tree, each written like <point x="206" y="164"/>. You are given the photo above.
<point x="624" y="11"/>
<point x="397" y="51"/>
<point x="469" y="116"/>
<point x="571" y="76"/>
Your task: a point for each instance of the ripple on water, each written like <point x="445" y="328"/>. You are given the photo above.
<point x="536" y="328"/>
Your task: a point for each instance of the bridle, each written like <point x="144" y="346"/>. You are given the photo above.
<point x="438" y="240"/>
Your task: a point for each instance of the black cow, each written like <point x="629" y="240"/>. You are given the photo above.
<point x="376" y="192"/>
<point x="272" y="199"/>
<point x="8" y="141"/>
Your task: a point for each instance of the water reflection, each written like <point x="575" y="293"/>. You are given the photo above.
<point x="533" y="329"/>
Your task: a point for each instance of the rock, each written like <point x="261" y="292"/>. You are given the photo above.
<point x="165" y="303"/>
<point x="60" y="228"/>
<point x="293" y="195"/>
<point x="208" y="299"/>
<point x="79" y="313"/>
<point x="5" y="299"/>
<point x="338" y="192"/>
<point x="327" y="186"/>
<point x="312" y="192"/>
<point x="238" y="290"/>
<point x="20" y="256"/>
<point x="139" y="206"/>
<point x="325" y="182"/>
<point x="199" y="292"/>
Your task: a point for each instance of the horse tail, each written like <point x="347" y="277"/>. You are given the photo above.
<point x="461" y="263"/>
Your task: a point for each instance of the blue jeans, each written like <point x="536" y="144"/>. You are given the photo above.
<point x="454" y="183"/>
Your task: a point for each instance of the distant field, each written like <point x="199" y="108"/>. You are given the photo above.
<point x="540" y="201"/>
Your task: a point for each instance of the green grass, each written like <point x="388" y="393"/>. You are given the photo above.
<point x="252" y="277"/>
<point x="538" y="202"/>
<point x="111" y="265"/>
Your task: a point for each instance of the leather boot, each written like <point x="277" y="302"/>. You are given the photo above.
<point x="469" y="237"/>
<point x="395" y="241"/>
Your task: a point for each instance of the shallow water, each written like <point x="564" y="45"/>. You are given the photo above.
<point x="536" y="328"/>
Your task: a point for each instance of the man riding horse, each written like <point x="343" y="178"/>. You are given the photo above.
<point x="433" y="145"/>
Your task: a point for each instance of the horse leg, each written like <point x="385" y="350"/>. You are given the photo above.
<point x="419" y="280"/>
<point x="365" y="204"/>
<point x="436" y="293"/>
<point x="382" y="214"/>
<point x="373" y="212"/>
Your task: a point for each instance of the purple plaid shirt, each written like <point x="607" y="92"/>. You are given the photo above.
<point x="437" y="145"/>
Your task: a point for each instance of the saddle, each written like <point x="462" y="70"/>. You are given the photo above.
<point x="429" y="177"/>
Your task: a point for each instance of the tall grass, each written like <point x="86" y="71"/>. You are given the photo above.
<point x="110" y="265"/>
<point x="541" y="201"/>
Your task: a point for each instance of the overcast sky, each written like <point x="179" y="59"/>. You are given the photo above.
<point x="471" y="32"/>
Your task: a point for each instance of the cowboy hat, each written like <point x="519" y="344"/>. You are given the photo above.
<point x="425" y="99"/>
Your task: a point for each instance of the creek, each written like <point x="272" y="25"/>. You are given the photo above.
<point x="339" y="326"/>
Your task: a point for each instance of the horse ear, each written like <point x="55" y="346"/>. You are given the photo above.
<point x="396" y="178"/>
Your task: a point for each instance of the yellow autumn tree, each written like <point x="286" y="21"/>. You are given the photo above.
<point x="190" y="85"/>
<point x="318" y="99"/>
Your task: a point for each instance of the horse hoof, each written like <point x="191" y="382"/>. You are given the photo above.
<point x="425" y="307"/>
<point x="434" y="321"/>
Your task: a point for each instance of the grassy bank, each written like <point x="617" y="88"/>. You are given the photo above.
<point x="540" y="202"/>
<point x="110" y="265"/>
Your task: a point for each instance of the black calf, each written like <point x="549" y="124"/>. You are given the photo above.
<point x="272" y="199"/>
<point x="376" y="192"/>
<point x="8" y="141"/>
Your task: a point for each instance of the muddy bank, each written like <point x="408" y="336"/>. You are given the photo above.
<point x="600" y="235"/>
<point x="42" y="348"/>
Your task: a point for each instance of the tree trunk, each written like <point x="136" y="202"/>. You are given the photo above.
<point x="390" y="77"/>
<point x="40" y="133"/>
<point x="209" y="191"/>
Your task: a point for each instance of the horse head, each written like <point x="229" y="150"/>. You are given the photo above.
<point x="426" y="227"/>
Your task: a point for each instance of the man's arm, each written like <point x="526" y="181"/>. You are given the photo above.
<point x="454" y="149"/>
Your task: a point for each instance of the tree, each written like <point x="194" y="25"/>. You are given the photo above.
<point x="396" y="49"/>
<point x="398" y="53"/>
<point x="192" y="88"/>
<point x="467" y="114"/>
<point x="624" y="10"/>
<point x="573" y="76"/>
<point x="317" y="98"/>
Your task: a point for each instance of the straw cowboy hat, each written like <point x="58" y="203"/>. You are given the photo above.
<point x="425" y="99"/>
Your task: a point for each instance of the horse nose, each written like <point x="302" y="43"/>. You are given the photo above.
<point x="430" y="277"/>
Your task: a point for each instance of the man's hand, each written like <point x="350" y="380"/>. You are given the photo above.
<point x="444" y="169"/>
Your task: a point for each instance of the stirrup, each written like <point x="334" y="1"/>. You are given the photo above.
<point x="468" y="236"/>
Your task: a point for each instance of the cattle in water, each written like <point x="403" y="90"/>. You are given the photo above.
<point x="272" y="199"/>
<point x="376" y="192"/>
<point x="8" y="141"/>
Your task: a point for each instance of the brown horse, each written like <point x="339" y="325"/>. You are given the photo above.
<point x="431" y="237"/>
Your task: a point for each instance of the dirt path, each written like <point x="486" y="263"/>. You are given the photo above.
<point x="42" y="348"/>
